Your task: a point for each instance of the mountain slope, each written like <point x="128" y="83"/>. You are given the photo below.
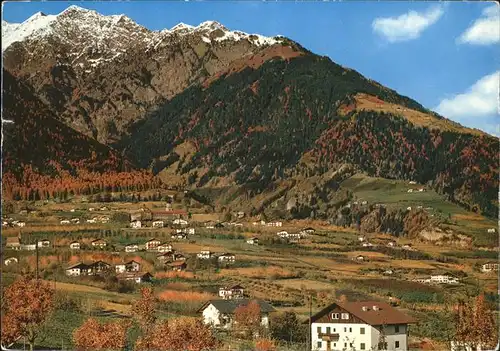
<point x="40" y="153"/>
<point x="305" y="116"/>
<point x="102" y="73"/>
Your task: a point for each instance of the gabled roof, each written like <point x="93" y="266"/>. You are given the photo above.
<point x="385" y="314"/>
<point x="229" y="306"/>
<point x="12" y="240"/>
<point x="237" y="286"/>
<point x="154" y="239"/>
<point x="132" y="261"/>
<point x="80" y="265"/>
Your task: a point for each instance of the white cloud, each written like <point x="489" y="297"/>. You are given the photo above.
<point x="485" y="30"/>
<point x="480" y="100"/>
<point x="407" y="26"/>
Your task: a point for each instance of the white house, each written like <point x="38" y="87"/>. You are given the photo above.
<point x="491" y="230"/>
<point x="361" y="325"/>
<point x="204" y="255"/>
<point x="77" y="269"/>
<point x="234" y="292"/>
<point x="10" y="260"/>
<point x="410" y="190"/>
<point x="152" y="244"/>
<point x="164" y="247"/>
<point x="65" y="221"/>
<point x="135" y="224"/>
<point x="43" y="243"/>
<point x="361" y="238"/>
<point x="443" y="279"/>
<point x="75" y="245"/>
<point x="220" y="313"/>
<point x="158" y="224"/>
<point x="120" y="268"/>
<point x="391" y="244"/>
<point x="99" y="243"/>
<point x="226" y="257"/>
<point x="489" y="267"/>
<point x="131" y="248"/>
<point x="93" y="220"/>
<point x="21" y="224"/>
<point x="253" y="241"/>
<point x="282" y="234"/>
<point x="275" y="224"/>
<point x="181" y="235"/>
<point x="179" y="221"/>
<point x="367" y="244"/>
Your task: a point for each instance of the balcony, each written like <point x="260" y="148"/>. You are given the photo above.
<point x="329" y="336"/>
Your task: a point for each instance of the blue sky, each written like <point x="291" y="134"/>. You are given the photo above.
<point x="444" y="55"/>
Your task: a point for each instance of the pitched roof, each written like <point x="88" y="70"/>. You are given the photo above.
<point x="12" y="240"/>
<point x="80" y="265"/>
<point x="229" y="306"/>
<point x="385" y="314"/>
<point x="177" y="263"/>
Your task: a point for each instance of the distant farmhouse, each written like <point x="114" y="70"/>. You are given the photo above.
<point x="220" y="313"/>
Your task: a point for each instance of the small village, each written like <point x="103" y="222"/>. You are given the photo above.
<point x="222" y="265"/>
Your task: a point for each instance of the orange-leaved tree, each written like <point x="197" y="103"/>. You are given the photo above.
<point x="181" y="334"/>
<point x="248" y="318"/>
<point x="93" y="335"/>
<point x="475" y="325"/>
<point x="27" y="303"/>
<point x="264" y="344"/>
<point x="144" y="310"/>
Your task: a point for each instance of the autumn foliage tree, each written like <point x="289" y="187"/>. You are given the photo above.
<point x="182" y="334"/>
<point x="144" y="310"/>
<point x="264" y="344"/>
<point x="27" y="303"/>
<point x="475" y="325"/>
<point x="248" y="318"/>
<point x="93" y="335"/>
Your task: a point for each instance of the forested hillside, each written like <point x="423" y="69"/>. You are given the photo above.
<point x="42" y="157"/>
<point x="298" y="116"/>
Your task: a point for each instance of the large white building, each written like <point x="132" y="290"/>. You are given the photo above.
<point x="361" y="325"/>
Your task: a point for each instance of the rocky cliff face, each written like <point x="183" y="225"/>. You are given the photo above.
<point x="100" y="74"/>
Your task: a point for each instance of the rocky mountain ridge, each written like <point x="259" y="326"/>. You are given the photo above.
<point x="99" y="74"/>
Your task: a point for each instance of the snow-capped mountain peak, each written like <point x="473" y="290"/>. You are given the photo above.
<point x="88" y="39"/>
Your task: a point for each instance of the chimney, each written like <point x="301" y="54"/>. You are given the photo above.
<point x="376" y="308"/>
<point x="365" y="308"/>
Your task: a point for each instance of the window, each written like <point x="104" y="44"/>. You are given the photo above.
<point x="350" y="330"/>
<point x="351" y="344"/>
<point x="335" y="316"/>
<point x="396" y="328"/>
<point x="362" y="331"/>
<point x="319" y="344"/>
<point x="319" y="330"/>
<point x="345" y="344"/>
<point x="345" y="329"/>
<point x="345" y="315"/>
<point x="334" y="330"/>
<point x="396" y="345"/>
<point x="334" y="344"/>
<point x="328" y="330"/>
<point x="362" y="346"/>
